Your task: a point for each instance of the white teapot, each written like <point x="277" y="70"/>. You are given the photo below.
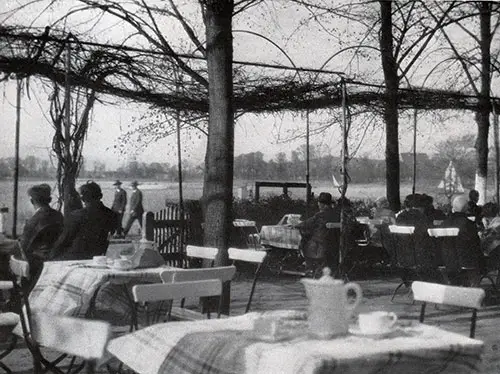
<point x="329" y="308"/>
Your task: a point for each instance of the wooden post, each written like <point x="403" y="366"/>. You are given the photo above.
<point x="148" y="219"/>
<point x="16" y="157"/>
<point x="497" y="155"/>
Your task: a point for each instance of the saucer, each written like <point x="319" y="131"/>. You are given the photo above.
<point x="355" y="330"/>
<point x="121" y="268"/>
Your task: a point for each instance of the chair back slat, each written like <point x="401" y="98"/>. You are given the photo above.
<point x="396" y="229"/>
<point x="468" y="297"/>
<point x="171" y="291"/>
<point x="75" y="336"/>
<point x="223" y="273"/>
<point x="247" y="255"/>
<point x="243" y="223"/>
<point x="20" y="268"/>
<point x="209" y="253"/>
<point x="443" y="232"/>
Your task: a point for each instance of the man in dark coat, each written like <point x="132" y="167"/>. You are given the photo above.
<point x="318" y="244"/>
<point x="463" y="250"/>
<point x="87" y="230"/>
<point x="119" y="206"/>
<point x="42" y="229"/>
<point x="136" y="208"/>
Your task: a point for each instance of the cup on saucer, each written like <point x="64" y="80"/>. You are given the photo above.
<point x="378" y="322"/>
<point x="99" y="260"/>
<point x="122" y="264"/>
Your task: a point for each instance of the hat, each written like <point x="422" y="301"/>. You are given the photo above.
<point x="117" y="183"/>
<point x="40" y="193"/>
<point x="325" y="198"/>
<point x="134" y="183"/>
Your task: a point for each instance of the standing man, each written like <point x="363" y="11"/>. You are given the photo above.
<point x="119" y="206"/>
<point x="136" y="208"/>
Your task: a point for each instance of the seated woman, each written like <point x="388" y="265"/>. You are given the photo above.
<point x="382" y="211"/>
<point x="490" y="235"/>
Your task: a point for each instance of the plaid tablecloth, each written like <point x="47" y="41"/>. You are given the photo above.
<point x="67" y="287"/>
<point x="228" y="346"/>
<point x="280" y="236"/>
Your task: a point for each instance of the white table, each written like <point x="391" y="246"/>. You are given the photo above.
<point x="227" y="346"/>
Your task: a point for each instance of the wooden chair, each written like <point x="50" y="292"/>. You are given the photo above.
<point x="467" y="297"/>
<point x="86" y="339"/>
<point x="145" y="293"/>
<point x="205" y="253"/>
<point x="403" y="254"/>
<point x="252" y="256"/>
<point x="20" y="271"/>
<point x="249" y="231"/>
<point x="466" y="276"/>
<point x="222" y="273"/>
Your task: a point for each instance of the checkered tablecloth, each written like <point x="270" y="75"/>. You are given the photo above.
<point x="227" y="346"/>
<point x="67" y="288"/>
<point x="280" y="236"/>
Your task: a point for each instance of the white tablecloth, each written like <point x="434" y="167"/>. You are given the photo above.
<point x="227" y="346"/>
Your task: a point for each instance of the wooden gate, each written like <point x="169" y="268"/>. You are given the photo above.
<point x="171" y="233"/>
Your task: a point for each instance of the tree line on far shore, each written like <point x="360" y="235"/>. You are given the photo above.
<point x="252" y="166"/>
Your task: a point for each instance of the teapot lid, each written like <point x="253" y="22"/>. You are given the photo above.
<point x="326" y="279"/>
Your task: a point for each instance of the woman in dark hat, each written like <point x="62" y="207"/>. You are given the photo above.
<point x="318" y="246"/>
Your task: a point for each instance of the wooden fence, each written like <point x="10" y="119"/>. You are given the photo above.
<point x="171" y="233"/>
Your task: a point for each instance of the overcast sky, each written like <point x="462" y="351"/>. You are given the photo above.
<point x="252" y="133"/>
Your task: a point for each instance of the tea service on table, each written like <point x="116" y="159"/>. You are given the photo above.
<point x="115" y="264"/>
<point x="332" y="304"/>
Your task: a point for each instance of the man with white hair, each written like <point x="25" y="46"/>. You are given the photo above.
<point x="465" y="250"/>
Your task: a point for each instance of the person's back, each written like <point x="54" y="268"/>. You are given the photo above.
<point x="43" y="228"/>
<point x="465" y="249"/>
<point x="86" y="230"/>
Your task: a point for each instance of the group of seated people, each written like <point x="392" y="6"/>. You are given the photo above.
<point x="81" y="235"/>
<point x="464" y="251"/>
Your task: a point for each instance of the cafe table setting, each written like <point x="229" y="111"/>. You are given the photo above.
<point x="325" y="339"/>
<point x="76" y="288"/>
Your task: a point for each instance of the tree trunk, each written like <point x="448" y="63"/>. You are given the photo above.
<point x="218" y="177"/>
<point x="390" y="106"/>
<point x="483" y="113"/>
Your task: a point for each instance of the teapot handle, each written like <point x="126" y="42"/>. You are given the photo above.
<point x="359" y="294"/>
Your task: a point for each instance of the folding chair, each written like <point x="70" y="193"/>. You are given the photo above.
<point x="205" y="253"/>
<point x="403" y="258"/>
<point x="20" y="271"/>
<point x="248" y="229"/>
<point x="252" y="256"/>
<point x="222" y="273"/>
<point x="144" y="293"/>
<point x="466" y="275"/>
<point x="86" y="339"/>
<point x="8" y="321"/>
<point x="467" y="297"/>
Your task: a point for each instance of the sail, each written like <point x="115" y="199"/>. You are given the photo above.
<point x="451" y="183"/>
<point x="336" y="184"/>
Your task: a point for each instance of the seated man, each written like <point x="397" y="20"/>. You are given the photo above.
<point x="465" y="250"/>
<point x="42" y="229"/>
<point x="318" y="247"/>
<point x="87" y="230"/>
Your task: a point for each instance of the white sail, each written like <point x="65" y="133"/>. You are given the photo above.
<point x="451" y="183"/>
<point x="336" y="184"/>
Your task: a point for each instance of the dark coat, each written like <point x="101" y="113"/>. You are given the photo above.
<point x="318" y="241"/>
<point x="136" y="208"/>
<point x="85" y="234"/>
<point x="465" y="249"/>
<point x="120" y="201"/>
<point x="41" y="230"/>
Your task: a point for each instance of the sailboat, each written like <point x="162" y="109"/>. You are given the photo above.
<point x="451" y="183"/>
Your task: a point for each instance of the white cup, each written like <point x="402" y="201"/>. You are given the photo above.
<point x="99" y="260"/>
<point x="376" y="322"/>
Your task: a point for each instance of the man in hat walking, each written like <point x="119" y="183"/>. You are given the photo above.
<point x="119" y="206"/>
<point x="136" y="208"/>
